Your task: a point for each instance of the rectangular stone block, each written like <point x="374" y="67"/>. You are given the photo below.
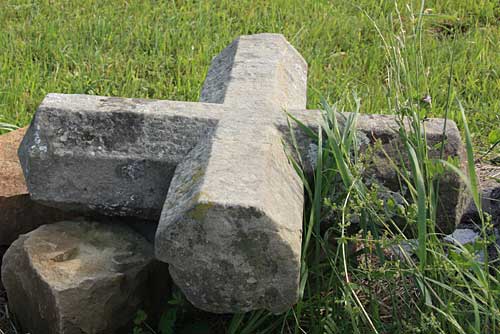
<point x="111" y="155"/>
<point x="384" y="130"/>
<point x="81" y="277"/>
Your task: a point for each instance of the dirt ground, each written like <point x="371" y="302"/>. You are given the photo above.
<point x="6" y="324"/>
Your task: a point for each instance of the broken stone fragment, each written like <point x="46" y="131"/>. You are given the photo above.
<point x="18" y="213"/>
<point x="381" y="147"/>
<point x="403" y="250"/>
<point x="77" y="277"/>
<point x="385" y="133"/>
<point x="462" y="236"/>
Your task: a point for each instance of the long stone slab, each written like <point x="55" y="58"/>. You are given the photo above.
<point x="111" y="155"/>
<point x="71" y="163"/>
<point x="380" y="134"/>
<point x="231" y="225"/>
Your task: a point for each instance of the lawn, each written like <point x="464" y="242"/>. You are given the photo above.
<point x="162" y="49"/>
<point x="372" y="57"/>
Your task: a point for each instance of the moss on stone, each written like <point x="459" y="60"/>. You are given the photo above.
<point x="197" y="175"/>
<point x="200" y="210"/>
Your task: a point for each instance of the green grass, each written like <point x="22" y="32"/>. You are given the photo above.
<point x="389" y="55"/>
<point x="162" y="49"/>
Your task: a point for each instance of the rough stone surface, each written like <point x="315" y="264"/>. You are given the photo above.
<point x="3" y="249"/>
<point x="489" y="181"/>
<point x="11" y="175"/>
<point x="384" y="129"/>
<point x="79" y="147"/>
<point x="18" y="213"/>
<point x="378" y="137"/>
<point x="462" y="236"/>
<point x="77" y="277"/>
<point x="231" y="222"/>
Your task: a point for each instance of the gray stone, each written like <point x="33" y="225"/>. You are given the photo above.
<point x="80" y="147"/>
<point x="384" y="130"/>
<point x="403" y="250"/>
<point x="489" y="182"/>
<point x="232" y="219"/>
<point x="462" y="236"/>
<point x="379" y="137"/>
<point x="78" y="277"/>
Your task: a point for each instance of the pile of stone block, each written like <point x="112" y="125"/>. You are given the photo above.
<point x="215" y="175"/>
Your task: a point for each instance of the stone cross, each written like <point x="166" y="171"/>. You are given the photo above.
<point x="215" y="173"/>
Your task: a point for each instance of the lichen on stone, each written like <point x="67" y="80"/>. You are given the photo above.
<point x="199" y="211"/>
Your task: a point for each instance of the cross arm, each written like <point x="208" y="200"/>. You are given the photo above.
<point x="378" y="136"/>
<point x="383" y="127"/>
<point x="114" y="155"/>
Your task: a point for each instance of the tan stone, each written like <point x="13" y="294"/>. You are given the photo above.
<point x="18" y="213"/>
<point x="78" y="277"/>
<point x="11" y="175"/>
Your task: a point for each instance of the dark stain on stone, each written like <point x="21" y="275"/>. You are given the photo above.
<point x="101" y="131"/>
<point x="132" y="170"/>
<point x="383" y="137"/>
<point x="254" y="246"/>
<point x="247" y="213"/>
<point x="125" y="128"/>
<point x="272" y="295"/>
<point x="197" y="235"/>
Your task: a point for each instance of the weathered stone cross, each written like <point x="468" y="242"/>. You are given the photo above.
<point x="231" y="224"/>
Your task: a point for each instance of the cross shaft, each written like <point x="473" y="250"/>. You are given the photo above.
<point x="232" y="221"/>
